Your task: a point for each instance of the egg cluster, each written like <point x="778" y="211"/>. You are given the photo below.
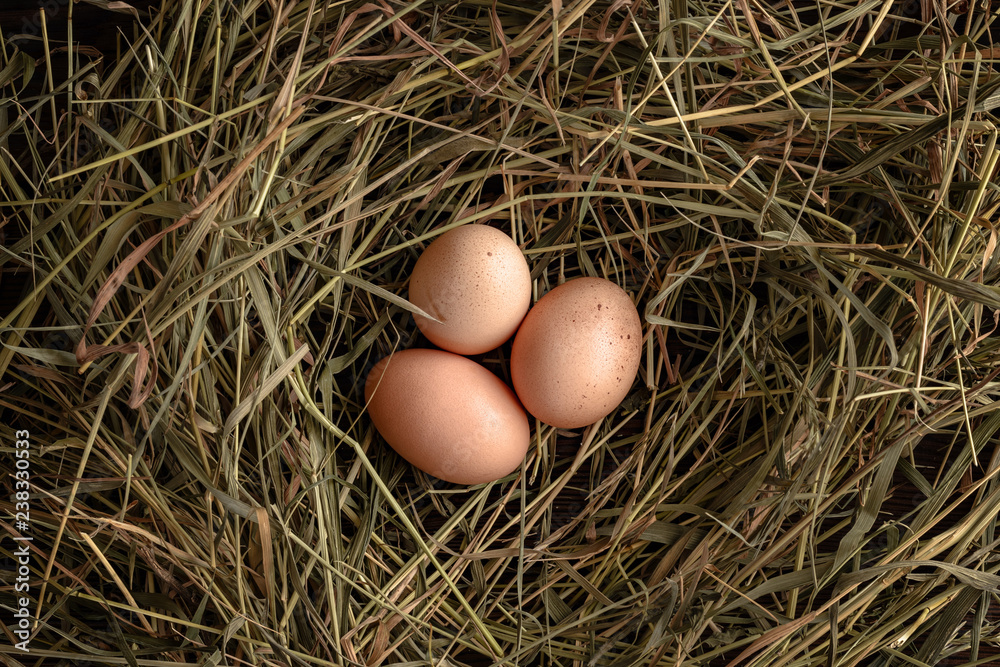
<point x="574" y="357"/>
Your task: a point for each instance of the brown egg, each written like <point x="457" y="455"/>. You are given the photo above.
<point x="475" y="281"/>
<point x="577" y="353"/>
<point x="447" y="415"/>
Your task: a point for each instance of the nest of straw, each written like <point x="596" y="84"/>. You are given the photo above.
<point x="211" y="226"/>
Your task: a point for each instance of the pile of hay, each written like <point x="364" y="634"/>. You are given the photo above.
<point x="213" y="223"/>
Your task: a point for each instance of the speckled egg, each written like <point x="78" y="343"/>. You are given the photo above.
<point x="447" y="415"/>
<point x="577" y="353"/>
<point x="475" y="280"/>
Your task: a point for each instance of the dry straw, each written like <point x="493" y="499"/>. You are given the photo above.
<point x="216" y="223"/>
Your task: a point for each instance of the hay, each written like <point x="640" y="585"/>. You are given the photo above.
<point x="217" y="224"/>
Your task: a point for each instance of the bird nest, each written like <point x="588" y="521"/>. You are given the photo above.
<point x="209" y="221"/>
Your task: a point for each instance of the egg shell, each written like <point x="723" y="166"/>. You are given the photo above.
<point x="577" y="352"/>
<point x="475" y="280"/>
<point x="447" y="415"/>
